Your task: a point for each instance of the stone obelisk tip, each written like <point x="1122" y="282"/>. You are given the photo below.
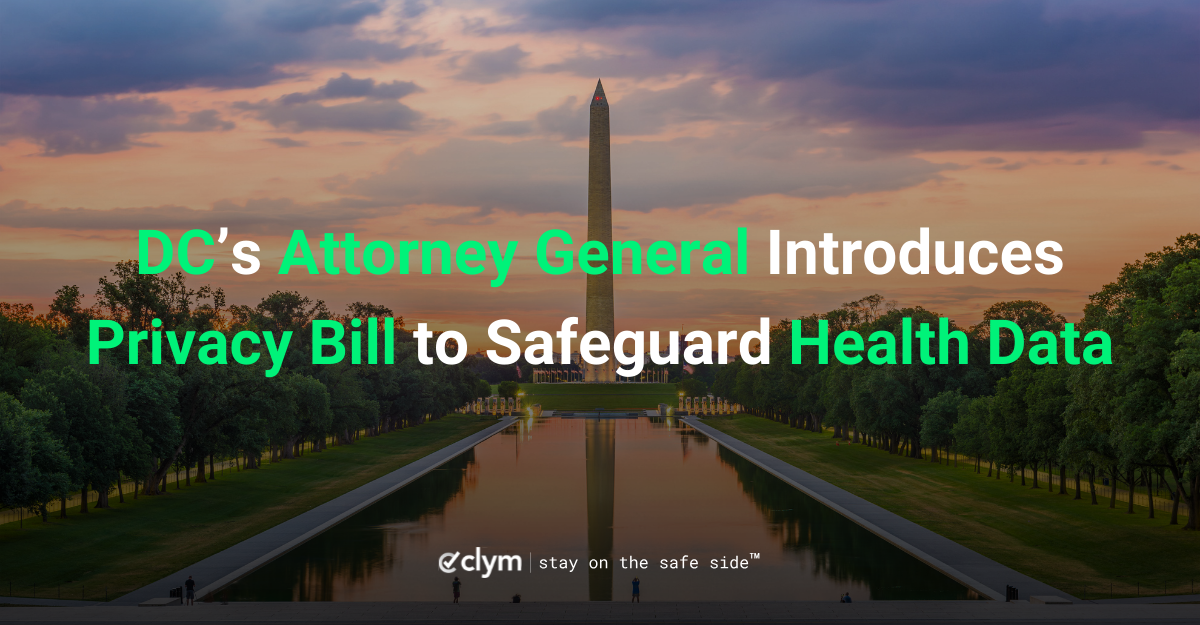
<point x="598" y="98"/>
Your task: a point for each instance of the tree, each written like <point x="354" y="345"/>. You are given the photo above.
<point x="835" y="385"/>
<point x="152" y="401"/>
<point x="726" y="381"/>
<point x="308" y="413"/>
<point x="1007" y="421"/>
<point x="1090" y="423"/>
<point x="281" y="311"/>
<point x="508" y="388"/>
<point x="82" y="418"/>
<point x="938" y="417"/>
<point x="134" y="299"/>
<point x="1031" y="316"/>
<point x="884" y="405"/>
<point x="1112" y="309"/>
<point x="22" y="342"/>
<point x="887" y="399"/>
<point x="1046" y="401"/>
<point x="366" y="310"/>
<point x="691" y="387"/>
<point x="744" y="389"/>
<point x="208" y="398"/>
<point x="285" y="311"/>
<point x="33" y="465"/>
<point x="481" y="388"/>
<point x="1153" y="303"/>
<point x="970" y="432"/>
<point x="1183" y="428"/>
<point x="350" y="406"/>
<point x="69" y="317"/>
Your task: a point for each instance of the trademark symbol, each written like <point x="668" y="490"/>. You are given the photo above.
<point x="754" y="556"/>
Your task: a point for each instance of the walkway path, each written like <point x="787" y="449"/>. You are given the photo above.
<point x="984" y="575"/>
<point x="218" y="571"/>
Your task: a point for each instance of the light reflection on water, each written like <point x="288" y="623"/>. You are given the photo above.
<point x="585" y="489"/>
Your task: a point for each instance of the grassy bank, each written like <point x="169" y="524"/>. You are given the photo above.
<point x="140" y="541"/>
<point x="576" y="396"/>
<point x="1082" y="549"/>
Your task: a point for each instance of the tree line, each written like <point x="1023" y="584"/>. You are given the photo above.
<point x="66" y="425"/>
<point x="1134" y="422"/>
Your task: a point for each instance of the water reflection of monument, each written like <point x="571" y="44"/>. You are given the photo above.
<point x="601" y="468"/>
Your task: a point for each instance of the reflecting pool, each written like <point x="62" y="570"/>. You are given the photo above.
<point x="604" y="491"/>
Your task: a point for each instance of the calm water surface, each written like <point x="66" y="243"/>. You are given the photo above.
<point x="598" y="489"/>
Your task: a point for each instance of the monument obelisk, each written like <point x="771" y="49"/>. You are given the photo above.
<point x="599" y="312"/>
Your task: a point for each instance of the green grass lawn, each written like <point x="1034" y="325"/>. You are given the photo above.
<point x="141" y="541"/>
<point x="1067" y="543"/>
<point x="576" y="396"/>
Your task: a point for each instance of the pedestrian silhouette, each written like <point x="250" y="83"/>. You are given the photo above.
<point x="637" y="591"/>
<point x="456" y="586"/>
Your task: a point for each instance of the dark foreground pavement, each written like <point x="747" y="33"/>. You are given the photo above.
<point x="604" y="612"/>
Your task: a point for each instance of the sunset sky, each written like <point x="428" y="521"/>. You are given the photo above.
<point x="1076" y="121"/>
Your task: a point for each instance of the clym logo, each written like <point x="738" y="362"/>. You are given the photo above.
<point x="478" y="563"/>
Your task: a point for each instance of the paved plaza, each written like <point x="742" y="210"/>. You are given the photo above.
<point x="612" y="612"/>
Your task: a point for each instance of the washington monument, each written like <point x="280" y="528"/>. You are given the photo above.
<point x="599" y="312"/>
<point x="601" y="433"/>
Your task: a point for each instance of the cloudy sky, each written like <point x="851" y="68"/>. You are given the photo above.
<point x="1075" y="121"/>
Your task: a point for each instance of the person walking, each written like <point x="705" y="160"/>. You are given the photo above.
<point x="190" y="586"/>
<point x="456" y="585"/>
<point x="637" y="591"/>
